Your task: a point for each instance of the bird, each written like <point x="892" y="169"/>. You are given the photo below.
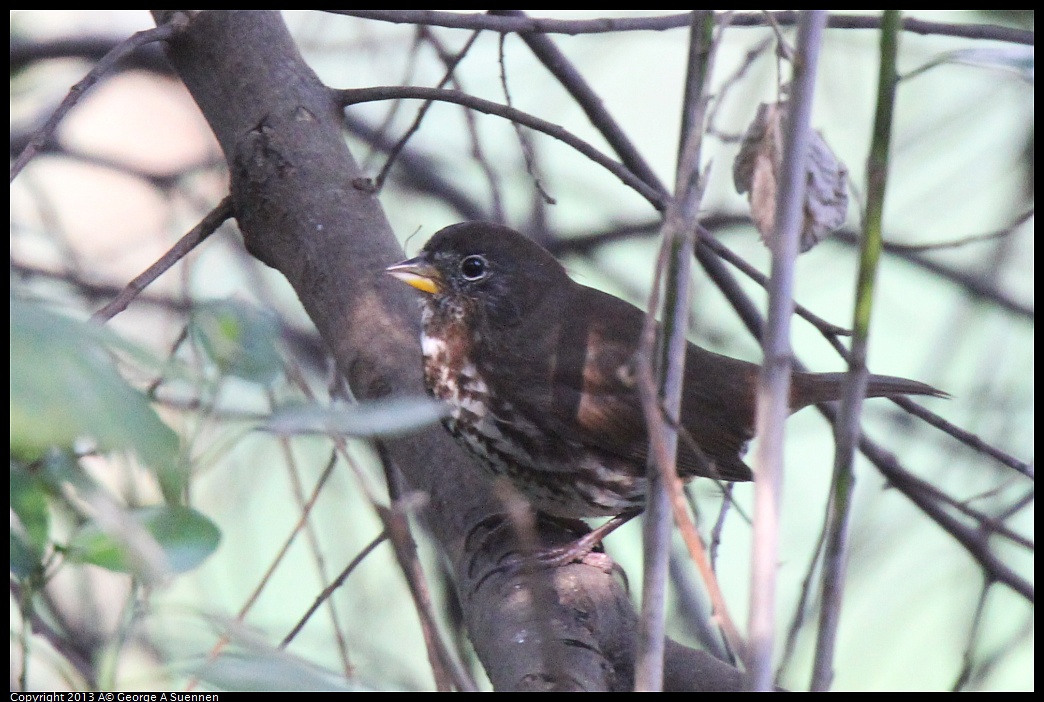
<point x="537" y="371"/>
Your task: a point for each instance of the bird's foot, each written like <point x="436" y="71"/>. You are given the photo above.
<point x="586" y="549"/>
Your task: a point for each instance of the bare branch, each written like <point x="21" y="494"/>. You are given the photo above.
<point x="394" y="152"/>
<point x="658" y="24"/>
<point x="333" y="587"/>
<point x="572" y="80"/>
<point x="773" y="400"/>
<point x="846" y="429"/>
<point x="920" y="492"/>
<point x="679" y="233"/>
<point x="353" y="96"/>
<point x="964" y="240"/>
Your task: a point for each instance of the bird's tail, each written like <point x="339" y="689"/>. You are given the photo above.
<point x="813" y="388"/>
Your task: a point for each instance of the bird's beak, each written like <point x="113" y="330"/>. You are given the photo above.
<point x="418" y="273"/>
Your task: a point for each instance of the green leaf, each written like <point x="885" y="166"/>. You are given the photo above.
<point x="391" y="417"/>
<point x="29" y="503"/>
<point x="65" y="386"/>
<point x="184" y="536"/>
<point x="239" y="339"/>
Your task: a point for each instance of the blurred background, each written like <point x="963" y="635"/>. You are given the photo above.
<point x="220" y="340"/>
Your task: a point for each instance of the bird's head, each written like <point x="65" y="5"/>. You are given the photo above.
<point x="483" y="268"/>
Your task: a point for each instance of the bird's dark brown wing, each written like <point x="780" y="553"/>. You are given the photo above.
<point x="589" y="393"/>
<point x="563" y="373"/>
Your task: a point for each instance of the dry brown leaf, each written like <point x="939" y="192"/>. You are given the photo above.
<point x="756" y="172"/>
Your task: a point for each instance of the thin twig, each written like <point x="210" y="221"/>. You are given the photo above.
<point x="79" y="658"/>
<point x="694" y="615"/>
<point x="846" y="429"/>
<point x="544" y="48"/>
<point x="986" y="522"/>
<point x="380" y="140"/>
<point x="974" y="284"/>
<point x="802" y="604"/>
<point x="926" y="497"/>
<point x="524" y="144"/>
<point x="354" y="96"/>
<point x="451" y="65"/>
<point x="26" y="51"/>
<point x="730" y="82"/>
<point x="207" y="226"/>
<point x="417" y="171"/>
<point x="165" y="182"/>
<point x="297" y="487"/>
<point x="306" y="510"/>
<point x="827" y="329"/>
<point x="773" y="399"/>
<point x="664" y="492"/>
<point x="1018" y="505"/>
<point x="974" y="631"/>
<point x="962" y="241"/>
<point x="668" y="349"/>
<point x="719" y="525"/>
<point x="445" y="667"/>
<point x="477" y="152"/>
<point x="964" y="436"/>
<point x="1001" y="650"/>
<point x="332" y="587"/>
<point x="783" y="48"/>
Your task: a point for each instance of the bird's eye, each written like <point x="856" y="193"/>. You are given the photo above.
<point x="473" y="267"/>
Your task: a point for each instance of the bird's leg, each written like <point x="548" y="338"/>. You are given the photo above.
<point x="571" y="552"/>
<point x="577" y="550"/>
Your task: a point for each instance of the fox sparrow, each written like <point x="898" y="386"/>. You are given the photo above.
<point x="535" y="370"/>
